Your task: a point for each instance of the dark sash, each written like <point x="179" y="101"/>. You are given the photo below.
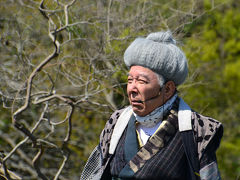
<point x="137" y="158"/>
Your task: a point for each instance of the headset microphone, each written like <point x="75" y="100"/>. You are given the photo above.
<point x="154" y="97"/>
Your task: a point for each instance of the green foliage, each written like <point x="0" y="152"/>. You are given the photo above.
<point x="214" y="58"/>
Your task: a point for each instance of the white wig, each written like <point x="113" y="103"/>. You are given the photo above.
<point x="159" y="53"/>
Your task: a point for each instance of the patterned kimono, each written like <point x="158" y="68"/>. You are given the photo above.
<point x="120" y="156"/>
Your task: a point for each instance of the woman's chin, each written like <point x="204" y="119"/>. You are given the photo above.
<point x="139" y="111"/>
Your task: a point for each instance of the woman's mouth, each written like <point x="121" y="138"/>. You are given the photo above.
<point x="136" y="102"/>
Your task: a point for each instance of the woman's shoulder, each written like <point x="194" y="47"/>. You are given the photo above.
<point x="206" y="130"/>
<point x="108" y="130"/>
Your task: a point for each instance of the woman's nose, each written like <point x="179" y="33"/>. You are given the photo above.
<point x="132" y="88"/>
<point x="132" y="85"/>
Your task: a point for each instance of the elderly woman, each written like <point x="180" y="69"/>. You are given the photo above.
<point x="158" y="136"/>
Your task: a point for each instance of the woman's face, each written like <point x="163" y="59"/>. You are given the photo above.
<point x="143" y="90"/>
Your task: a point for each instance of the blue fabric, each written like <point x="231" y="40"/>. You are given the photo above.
<point x="130" y="148"/>
<point x="210" y="172"/>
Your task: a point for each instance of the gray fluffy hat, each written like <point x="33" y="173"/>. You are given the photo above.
<point x="159" y="53"/>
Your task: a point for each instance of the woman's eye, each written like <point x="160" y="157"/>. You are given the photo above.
<point x="142" y="81"/>
<point x="130" y="80"/>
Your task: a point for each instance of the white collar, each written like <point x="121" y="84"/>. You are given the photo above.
<point x="184" y="123"/>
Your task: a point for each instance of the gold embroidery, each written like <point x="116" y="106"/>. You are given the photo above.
<point x="133" y="166"/>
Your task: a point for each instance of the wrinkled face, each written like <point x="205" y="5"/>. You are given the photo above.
<point x="143" y="85"/>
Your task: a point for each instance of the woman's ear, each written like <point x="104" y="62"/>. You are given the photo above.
<point x="169" y="89"/>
